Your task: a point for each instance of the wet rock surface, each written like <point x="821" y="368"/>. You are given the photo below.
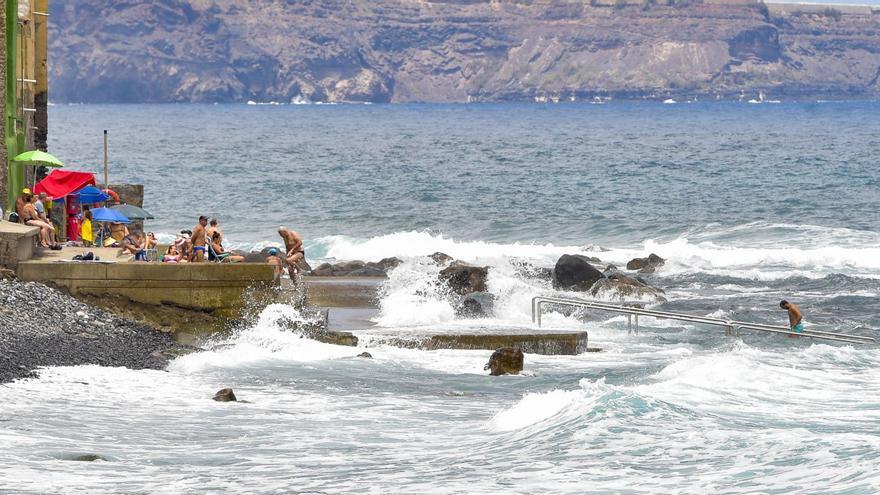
<point x="645" y="265"/>
<point x="357" y="268"/>
<point x="465" y="279"/>
<point x="41" y="326"/>
<point x="574" y="272"/>
<point x="623" y="288"/>
<point x="476" y="305"/>
<point x="225" y="395"/>
<point x="506" y="361"/>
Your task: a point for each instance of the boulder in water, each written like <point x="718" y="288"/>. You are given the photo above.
<point x="225" y="395"/>
<point x="505" y="361"/>
<point x="476" y="305"/>
<point x="574" y="272"/>
<point x="464" y="279"/>
<point x="389" y="264"/>
<point x="441" y="258"/>
<point x="620" y="287"/>
<point x="645" y="265"/>
<point x="526" y="269"/>
<point x="365" y="355"/>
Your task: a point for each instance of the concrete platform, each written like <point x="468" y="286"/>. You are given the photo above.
<point x="212" y="288"/>
<point x="548" y="343"/>
<point x="343" y="292"/>
<point x="17" y="243"/>
<point x="352" y="303"/>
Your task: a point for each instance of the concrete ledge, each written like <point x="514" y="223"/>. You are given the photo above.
<point x="17" y="243"/>
<point x="342" y="292"/>
<point x="553" y="343"/>
<point x="218" y="289"/>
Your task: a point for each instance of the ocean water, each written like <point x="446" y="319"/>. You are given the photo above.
<point x="748" y="203"/>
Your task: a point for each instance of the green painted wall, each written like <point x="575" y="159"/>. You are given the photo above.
<point x="14" y="140"/>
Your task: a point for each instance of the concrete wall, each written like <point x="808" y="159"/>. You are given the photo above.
<point x="16" y="243"/>
<point x="214" y="288"/>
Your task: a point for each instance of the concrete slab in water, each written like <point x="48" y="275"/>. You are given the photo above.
<point x="343" y="292"/>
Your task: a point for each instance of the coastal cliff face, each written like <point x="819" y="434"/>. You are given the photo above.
<point x="451" y="51"/>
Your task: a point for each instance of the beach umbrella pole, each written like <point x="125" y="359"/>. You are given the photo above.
<point x="106" y="163"/>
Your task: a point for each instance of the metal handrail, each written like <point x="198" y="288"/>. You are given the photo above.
<point x="732" y="326"/>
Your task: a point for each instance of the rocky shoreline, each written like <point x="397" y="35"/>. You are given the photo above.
<point x="41" y="326"/>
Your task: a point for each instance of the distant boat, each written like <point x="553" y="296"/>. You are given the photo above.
<point x="669" y="101"/>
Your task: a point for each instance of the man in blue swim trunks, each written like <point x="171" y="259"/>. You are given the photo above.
<point x="795" y="317"/>
<point x="199" y="240"/>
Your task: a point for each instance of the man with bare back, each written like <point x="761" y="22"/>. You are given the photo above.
<point x="294" y="255"/>
<point x="199" y="240"/>
<point x="795" y="317"/>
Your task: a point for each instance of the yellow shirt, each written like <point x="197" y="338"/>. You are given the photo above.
<point x="86" y="231"/>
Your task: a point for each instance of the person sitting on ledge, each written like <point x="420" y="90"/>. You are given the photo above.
<point x="214" y="226"/>
<point x="275" y="260"/>
<point x="217" y="252"/>
<point x="20" y="202"/>
<point x="32" y="218"/>
<point x="133" y="244"/>
<point x="172" y="255"/>
<point x="117" y="232"/>
<point x="151" y="241"/>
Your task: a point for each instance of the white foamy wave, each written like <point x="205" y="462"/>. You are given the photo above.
<point x="758" y="263"/>
<point x="267" y="340"/>
<point x="414" y="243"/>
<point x="534" y="408"/>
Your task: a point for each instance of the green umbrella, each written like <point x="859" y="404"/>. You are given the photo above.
<point x="133" y="212"/>
<point x="37" y="156"/>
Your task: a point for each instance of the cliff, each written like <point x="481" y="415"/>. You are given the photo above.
<point x="453" y="51"/>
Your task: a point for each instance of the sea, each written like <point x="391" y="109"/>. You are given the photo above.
<point x="748" y="204"/>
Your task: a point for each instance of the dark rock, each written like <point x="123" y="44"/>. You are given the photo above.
<point x="368" y="271"/>
<point x="464" y="279"/>
<point x="316" y="329"/>
<point x="354" y="269"/>
<point x="255" y="257"/>
<point x="645" y="265"/>
<point x="365" y="355"/>
<point x="88" y="458"/>
<point x="526" y="269"/>
<point x="505" y="361"/>
<point x="574" y="272"/>
<point x="225" y="395"/>
<point x="476" y="305"/>
<point x="441" y="258"/>
<point x="336" y="338"/>
<point x="323" y="270"/>
<point x="389" y="264"/>
<point x="621" y="287"/>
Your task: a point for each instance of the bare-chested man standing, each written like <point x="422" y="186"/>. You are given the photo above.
<point x="294" y="252"/>
<point x="795" y="317"/>
<point x="199" y="240"/>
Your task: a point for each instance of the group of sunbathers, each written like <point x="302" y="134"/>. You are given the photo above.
<point x="203" y="242"/>
<point x="30" y="210"/>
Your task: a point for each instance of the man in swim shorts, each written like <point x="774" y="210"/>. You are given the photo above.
<point x="199" y="240"/>
<point x="294" y="255"/>
<point x="795" y="317"/>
